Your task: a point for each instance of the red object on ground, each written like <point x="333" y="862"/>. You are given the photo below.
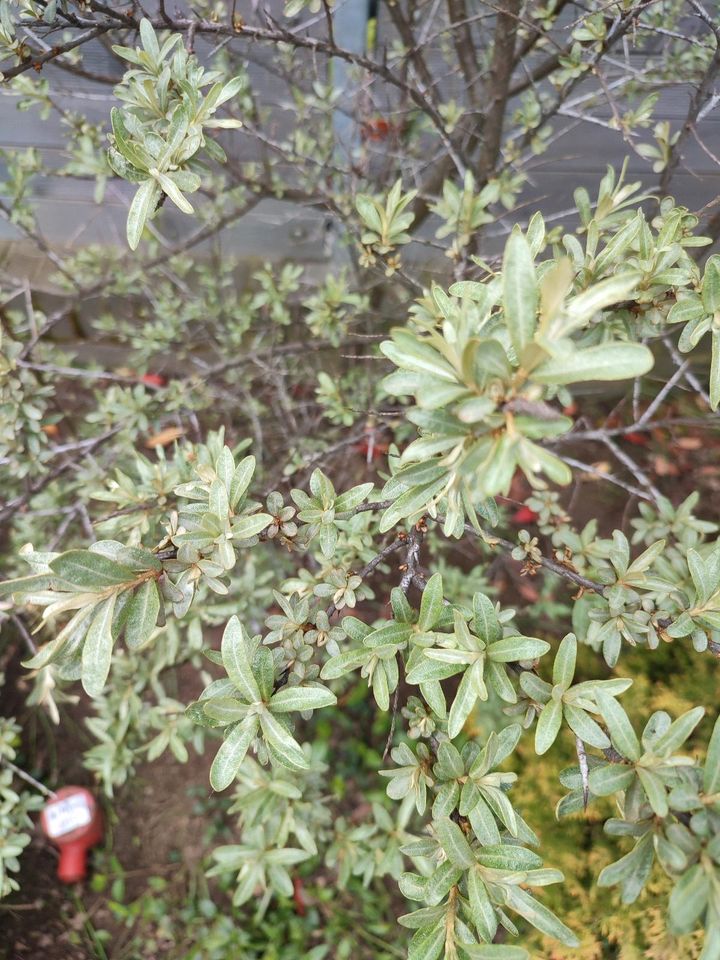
<point x="154" y="379"/>
<point x="73" y="821"/>
<point x="639" y="439"/>
<point x="298" y="897"/>
<point x="524" y="515"/>
<point x="377" y="129"/>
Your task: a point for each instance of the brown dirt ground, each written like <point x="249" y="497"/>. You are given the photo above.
<point x="153" y="828"/>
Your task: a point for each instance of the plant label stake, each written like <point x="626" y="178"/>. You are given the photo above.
<point x="72" y="820"/>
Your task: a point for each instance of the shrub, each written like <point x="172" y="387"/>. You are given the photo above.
<point x="339" y="526"/>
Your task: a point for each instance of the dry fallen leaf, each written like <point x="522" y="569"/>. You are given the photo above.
<point x="164" y="437"/>
<point x="689" y="443"/>
<point x="664" y="468"/>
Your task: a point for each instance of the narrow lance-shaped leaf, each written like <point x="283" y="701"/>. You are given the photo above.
<point x="520" y="290"/>
<point x="244" y="528"/>
<point x="463" y="703"/>
<point x="512" y="649"/>
<point x="540" y="917"/>
<point x="284" y="748"/>
<point x="678" y="732"/>
<point x="90" y="570"/>
<point x="236" y="663"/>
<point x="142" y="614"/>
<point x="432" y="603"/>
<point x="241" y="480"/>
<point x="232" y="753"/>
<point x="454" y="843"/>
<point x="301" y="698"/>
<point x="715" y="370"/>
<point x="482" y="910"/>
<point x="97" y="651"/>
<point x="711" y="773"/>
<point x="607" y="361"/>
<point x="548" y="726"/>
<point x="142" y="206"/>
<point x="564" y="665"/>
<point x="621" y="732"/>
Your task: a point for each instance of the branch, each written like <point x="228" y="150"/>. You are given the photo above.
<point x="703" y="92"/>
<point x="501" y="70"/>
<point x="12" y="506"/>
<point x="464" y="48"/>
<point x="36" y="62"/>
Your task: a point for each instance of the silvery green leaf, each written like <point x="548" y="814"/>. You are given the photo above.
<point x="236" y="661"/>
<point x="485" y="620"/>
<point x="463" y="703"/>
<point x="631" y="871"/>
<point x="344" y="662"/>
<point x="142" y="614"/>
<point x="407" y="351"/>
<point x="548" y="726"/>
<point x="711" y="285"/>
<point x="446" y="800"/>
<point x="328" y="539"/>
<point x="412" y="886"/>
<point x="715" y="370"/>
<point x="520" y="290"/>
<point x="497" y="678"/>
<point x="671" y="857"/>
<point x="564" y="664"/>
<point x="483" y="823"/>
<point x="232" y="753"/>
<point x="513" y="649"/>
<point x="607" y="361"/>
<point x="247" y="527"/>
<point x="411" y="502"/>
<point x="241" y="480"/>
<point x="428" y="942"/>
<point x="421" y="918"/>
<point x="454" y="843"/>
<point x="284" y="748"/>
<point x="583" y="726"/>
<point x="263" y="668"/>
<point x="142" y="206"/>
<point x="381" y="687"/>
<point x="449" y="761"/>
<point x="289" y="699"/>
<point x="431" y="603"/>
<point x="688" y="899"/>
<point x="508" y="856"/>
<point x="430" y="669"/>
<point x="711" y="773"/>
<point x="169" y="187"/>
<point x="76" y="625"/>
<point x="654" y="790"/>
<point x="149" y="39"/>
<point x="585" y="305"/>
<point x="611" y="778"/>
<point x="481" y="908"/>
<point x="224" y="710"/>
<point x="621" y="732"/>
<point x="711" y="944"/>
<point x="353" y="498"/>
<point x="539" y="916"/>
<point x="678" y="732"/>
<point x="90" y="570"/>
<point x="97" y="650"/>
